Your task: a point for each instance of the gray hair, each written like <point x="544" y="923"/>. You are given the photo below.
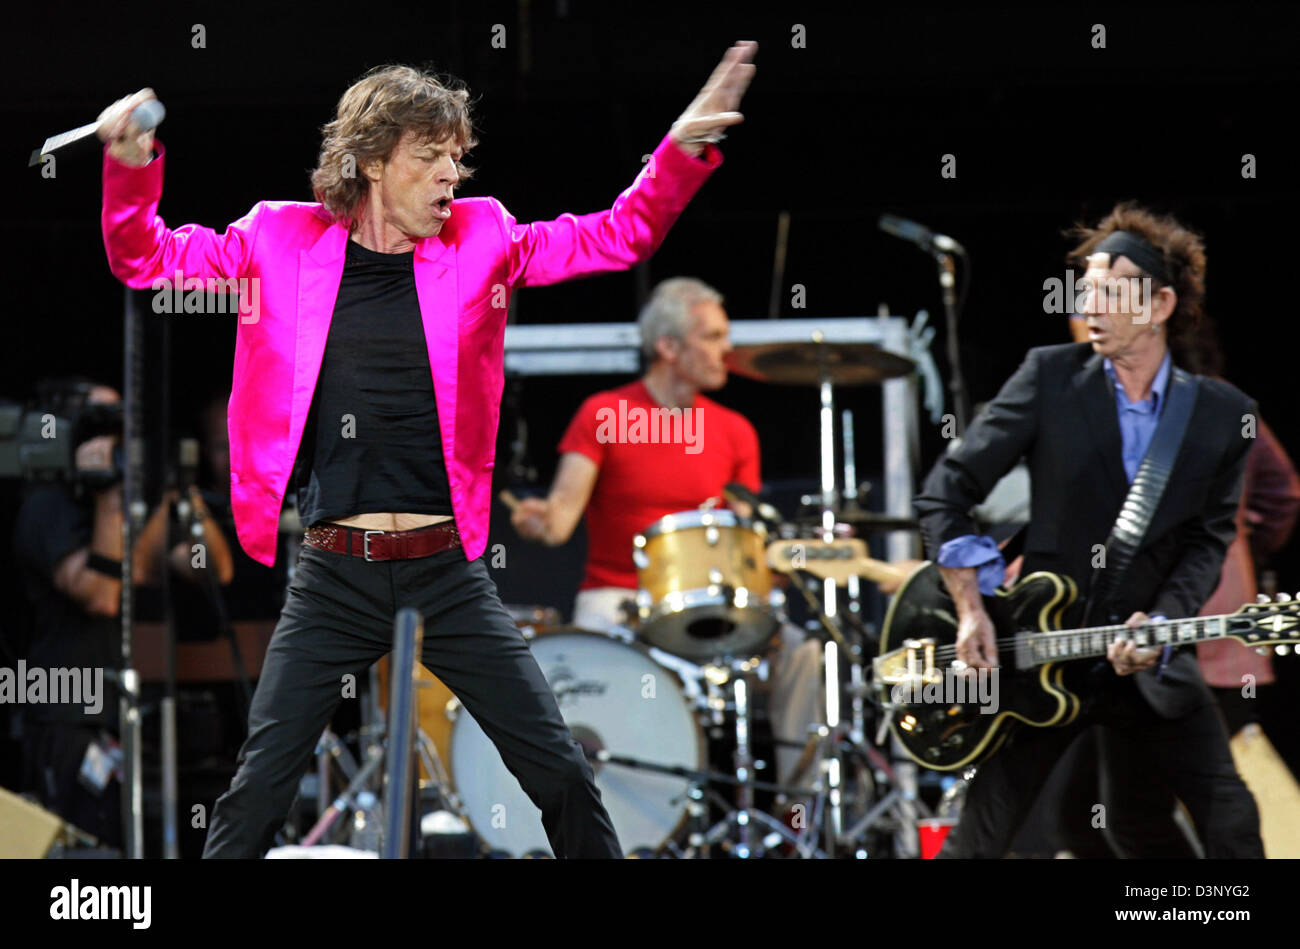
<point x="668" y="311"/>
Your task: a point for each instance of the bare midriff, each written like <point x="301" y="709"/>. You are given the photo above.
<point x="391" y="522"/>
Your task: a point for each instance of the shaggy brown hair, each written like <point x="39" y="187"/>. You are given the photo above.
<point x="370" y="120"/>
<point x="1184" y="254"/>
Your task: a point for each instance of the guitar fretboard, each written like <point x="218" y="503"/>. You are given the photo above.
<point x="1034" y="649"/>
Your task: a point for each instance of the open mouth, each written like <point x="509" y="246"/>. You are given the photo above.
<point x="442" y="208"/>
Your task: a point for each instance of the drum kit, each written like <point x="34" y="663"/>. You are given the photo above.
<point x="645" y="698"/>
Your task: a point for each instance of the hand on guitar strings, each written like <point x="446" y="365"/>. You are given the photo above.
<point x="977" y="646"/>
<point x="1126" y="656"/>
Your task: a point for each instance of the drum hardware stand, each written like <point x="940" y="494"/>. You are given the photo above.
<point x="440" y="779"/>
<point x="831" y="764"/>
<point x="852" y="490"/>
<point x="345" y="801"/>
<point x="698" y="811"/>
<point x="896" y="803"/>
<point x="840" y="740"/>
<point x="331" y="749"/>
<point x="857" y="687"/>
<point x="899" y="803"/>
<point x="701" y="837"/>
<point x="393" y="746"/>
<point x="743" y="815"/>
<point x="838" y="744"/>
<point x="372" y="713"/>
<point x="814" y="749"/>
<point x="694" y="775"/>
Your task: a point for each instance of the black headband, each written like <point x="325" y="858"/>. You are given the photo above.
<point x="1136" y="249"/>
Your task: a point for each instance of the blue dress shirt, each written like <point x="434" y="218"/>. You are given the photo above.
<point x="1137" y="426"/>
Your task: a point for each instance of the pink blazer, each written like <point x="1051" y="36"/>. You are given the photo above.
<point x="463" y="277"/>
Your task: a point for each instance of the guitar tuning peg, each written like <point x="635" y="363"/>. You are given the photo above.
<point x="1282" y="650"/>
<point x="1283" y="598"/>
<point x="1261" y="598"/>
<point x="1262" y="650"/>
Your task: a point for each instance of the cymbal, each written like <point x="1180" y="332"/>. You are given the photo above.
<point x="807" y="363"/>
<point x="862" y="521"/>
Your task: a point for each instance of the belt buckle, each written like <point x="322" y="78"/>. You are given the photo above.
<point x="365" y="545"/>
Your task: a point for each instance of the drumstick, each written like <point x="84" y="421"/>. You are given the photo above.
<point x="509" y="500"/>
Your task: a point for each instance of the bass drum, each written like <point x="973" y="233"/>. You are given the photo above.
<point x="614" y="698"/>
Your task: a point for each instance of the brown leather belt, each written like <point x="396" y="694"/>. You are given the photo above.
<point x="383" y="545"/>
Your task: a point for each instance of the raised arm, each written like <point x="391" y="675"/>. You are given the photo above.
<point x="140" y="246"/>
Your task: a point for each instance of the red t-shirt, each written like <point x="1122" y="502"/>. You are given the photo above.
<point x="653" y="462"/>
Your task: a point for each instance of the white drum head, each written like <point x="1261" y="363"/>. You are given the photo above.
<point x="612" y="697"/>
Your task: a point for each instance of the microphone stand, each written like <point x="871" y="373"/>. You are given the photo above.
<point x="956" y="382"/>
<point x="170" y="764"/>
<point x="129" y="724"/>
<point x="941" y="248"/>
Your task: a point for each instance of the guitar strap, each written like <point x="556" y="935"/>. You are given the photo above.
<point x="1144" y="494"/>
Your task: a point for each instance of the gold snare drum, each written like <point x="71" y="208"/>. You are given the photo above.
<point x="706" y="591"/>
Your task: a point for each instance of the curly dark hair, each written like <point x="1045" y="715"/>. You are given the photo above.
<point x="1184" y="256"/>
<point x="371" y="118"/>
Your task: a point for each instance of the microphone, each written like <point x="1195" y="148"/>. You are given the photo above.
<point x="920" y="235"/>
<point x="148" y="115"/>
<point x="145" y="117"/>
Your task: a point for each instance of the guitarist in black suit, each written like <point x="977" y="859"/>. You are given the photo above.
<point x="1083" y="416"/>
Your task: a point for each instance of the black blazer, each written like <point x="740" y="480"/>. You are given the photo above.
<point x="1058" y="413"/>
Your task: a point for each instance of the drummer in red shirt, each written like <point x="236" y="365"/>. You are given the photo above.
<point x="626" y="479"/>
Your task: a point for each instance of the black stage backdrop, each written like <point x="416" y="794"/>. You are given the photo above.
<point x="850" y="115"/>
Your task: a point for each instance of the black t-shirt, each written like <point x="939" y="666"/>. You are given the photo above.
<point x="371" y="442"/>
<point x="52" y="524"/>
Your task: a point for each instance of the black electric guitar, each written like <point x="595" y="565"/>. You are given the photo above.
<point x="947" y="721"/>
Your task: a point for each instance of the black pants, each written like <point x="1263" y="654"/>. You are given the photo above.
<point x="337" y="621"/>
<point x="1148" y="802"/>
<point x="1139" y="807"/>
<point x="1190" y="755"/>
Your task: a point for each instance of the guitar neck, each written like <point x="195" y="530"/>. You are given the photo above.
<point x="1038" y="648"/>
<point x="878" y="570"/>
<point x="832" y="560"/>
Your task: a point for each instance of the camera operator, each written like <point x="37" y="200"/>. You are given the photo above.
<point x="68" y="547"/>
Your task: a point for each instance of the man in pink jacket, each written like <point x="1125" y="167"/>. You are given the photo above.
<point x="368" y="377"/>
